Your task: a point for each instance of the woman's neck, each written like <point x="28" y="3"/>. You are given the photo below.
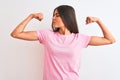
<point x="64" y="31"/>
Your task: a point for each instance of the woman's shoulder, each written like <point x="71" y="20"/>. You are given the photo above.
<point x="45" y="31"/>
<point x="81" y="35"/>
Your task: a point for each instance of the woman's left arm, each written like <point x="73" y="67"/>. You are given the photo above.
<point x="107" y="36"/>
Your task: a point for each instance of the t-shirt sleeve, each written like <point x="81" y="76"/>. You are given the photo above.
<point x="42" y="34"/>
<point x="85" y="40"/>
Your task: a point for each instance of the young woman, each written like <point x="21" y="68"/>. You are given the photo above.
<point x="64" y="43"/>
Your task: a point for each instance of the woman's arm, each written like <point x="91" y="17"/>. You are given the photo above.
<point x="19" y="32"/>
<point x="107" y="36"/>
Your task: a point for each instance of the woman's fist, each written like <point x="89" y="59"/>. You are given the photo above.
<point x="91" y="19"/>
<point x="38" y="16"/>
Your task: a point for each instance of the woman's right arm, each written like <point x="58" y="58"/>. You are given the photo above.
<point x="19" y="32"/>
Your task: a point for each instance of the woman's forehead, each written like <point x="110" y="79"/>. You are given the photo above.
<point x="56" y="11"/>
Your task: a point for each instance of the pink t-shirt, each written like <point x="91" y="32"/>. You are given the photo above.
<point x="62" y="54"/>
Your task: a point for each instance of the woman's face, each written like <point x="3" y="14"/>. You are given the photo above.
<point x="56" y="20"/>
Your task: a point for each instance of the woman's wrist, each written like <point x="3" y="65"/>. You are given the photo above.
<point x="98" y="21"/>
<point x="31" y="16"/>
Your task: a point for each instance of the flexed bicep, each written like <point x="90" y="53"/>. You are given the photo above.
<point x="107" y="37"/>
<point x="19" y="32"/>
<point x="97" y="41"/>
<point x="28" y="35"/>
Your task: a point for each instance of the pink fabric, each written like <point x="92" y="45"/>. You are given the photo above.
<point x="62" y="54"/>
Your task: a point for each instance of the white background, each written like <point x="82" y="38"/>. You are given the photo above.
<point x="23" y="60"/>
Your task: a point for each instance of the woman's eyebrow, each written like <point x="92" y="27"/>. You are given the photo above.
<point x="56" y="14"/>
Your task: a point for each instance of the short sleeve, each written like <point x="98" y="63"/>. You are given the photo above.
<point x="42" y="34"/>
<point x="85" y="40"/>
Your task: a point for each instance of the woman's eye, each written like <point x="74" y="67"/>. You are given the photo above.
<point x="57" y="15"/>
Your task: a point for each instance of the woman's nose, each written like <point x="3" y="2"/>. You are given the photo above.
<point x="53" y="17"/>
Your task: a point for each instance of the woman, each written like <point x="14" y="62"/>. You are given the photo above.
<point x="64" y="43"/>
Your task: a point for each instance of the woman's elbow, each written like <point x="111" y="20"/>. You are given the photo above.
<point x="13" y="35"/>
<point x="112" y="41"/>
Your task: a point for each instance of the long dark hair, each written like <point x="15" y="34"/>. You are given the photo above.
<point x="67" y="14"/>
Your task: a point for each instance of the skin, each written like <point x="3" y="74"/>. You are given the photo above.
<point x="19" y="32"/>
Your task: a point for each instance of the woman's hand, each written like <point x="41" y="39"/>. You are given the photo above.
<point x="91" y="19"/>
<point x="38" y="16"/>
